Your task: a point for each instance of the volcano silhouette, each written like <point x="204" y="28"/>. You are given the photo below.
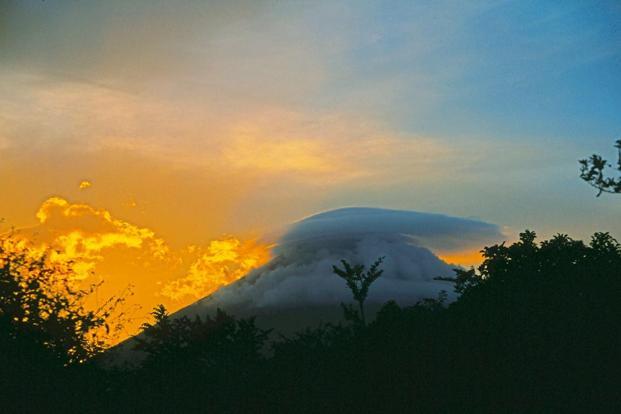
<point x="298" y="288"/>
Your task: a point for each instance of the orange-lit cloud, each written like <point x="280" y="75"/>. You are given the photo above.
<point x="258" y="152"/>
<point x="85" y="184"/>
<point x="218" y="264"/>
<point x="465" y="258"/>
<point x="262" y="140"/>
<point x="123" y="255"/>
<point x="82" y="233"/>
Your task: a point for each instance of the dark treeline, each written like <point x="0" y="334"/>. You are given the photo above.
<point x="536" y="328"/>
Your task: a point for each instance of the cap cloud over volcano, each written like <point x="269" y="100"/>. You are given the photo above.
<point x="300" y="275"/>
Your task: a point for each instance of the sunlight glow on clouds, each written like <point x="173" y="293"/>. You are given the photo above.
<point x="82" y="233"/>
<point x="264" y="141"/>
<point x="123" y="255"/>
<point x="220" y="263"/>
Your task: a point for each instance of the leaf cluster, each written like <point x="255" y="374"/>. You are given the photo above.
<point x="359" y="281"/>
<point x="592" y="170"/>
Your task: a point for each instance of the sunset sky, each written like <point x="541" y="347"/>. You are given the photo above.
<point x="175" y="140"/>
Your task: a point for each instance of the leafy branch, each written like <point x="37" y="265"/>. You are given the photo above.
<point x="592" y="171"/>
<point x="359" y="281"/>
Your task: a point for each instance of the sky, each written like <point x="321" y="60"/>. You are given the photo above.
<point x="202" y="129"/>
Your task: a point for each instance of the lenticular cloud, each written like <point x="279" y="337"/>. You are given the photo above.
<point x="300" y="275"/>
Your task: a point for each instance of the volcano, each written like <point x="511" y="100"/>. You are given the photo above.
<point x="298" y="288"/>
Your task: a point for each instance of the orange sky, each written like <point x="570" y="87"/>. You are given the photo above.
<point x="134" y="260"/>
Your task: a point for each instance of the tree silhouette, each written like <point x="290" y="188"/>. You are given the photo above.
<point x="592" y="171"/>
<point x="210" y="339"/>
<point x="535" y="328"/>
<point x="198" y="364"/>
<point x="40" y="300"/>
<point x="359" y="281"/>
<point x="47" y="336"/>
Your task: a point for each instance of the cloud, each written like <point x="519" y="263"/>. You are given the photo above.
<point x="220" y="263"/>
<point x="433" y="231"/>
<point x="117" y="41"/>
<point x="82" y="233"/>
<point x="300" y="275"/>
<point x="127" y="256"/>
<point x="264" y="140"/>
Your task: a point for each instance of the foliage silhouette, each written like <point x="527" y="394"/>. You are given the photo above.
<point x="358" y="281"/>
<point x="38" y="299"/>
<point x="209" y="341"/>
<point x="183" y="352"/>
<point x="44" y="325"/>
<point x="592" y="171"/>
<point x="535" y="328"/>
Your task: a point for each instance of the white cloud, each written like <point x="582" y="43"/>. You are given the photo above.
<point x="300" y="276"/>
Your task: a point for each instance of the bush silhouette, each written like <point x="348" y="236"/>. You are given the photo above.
<point x="39" y="300"/>
<point x="44" y="326"/>
<point x="209" y="341"/>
